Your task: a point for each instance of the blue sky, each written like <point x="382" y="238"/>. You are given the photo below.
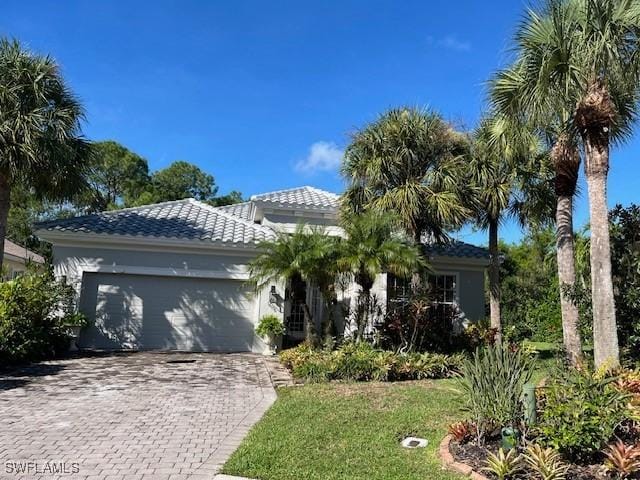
<point x="263" y="95"/>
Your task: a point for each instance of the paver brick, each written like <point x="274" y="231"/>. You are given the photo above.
<point x="132" y="416"/>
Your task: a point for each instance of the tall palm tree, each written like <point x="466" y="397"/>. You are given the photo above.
<point x="405" y="163"/>
<point x="373" y="246"/>
<point x="578" y="59"/>
<point x="301" y="259"/>
<point x="41" y="146"/>
<point x="500" y="156"/>
<point x="514" y="98"/>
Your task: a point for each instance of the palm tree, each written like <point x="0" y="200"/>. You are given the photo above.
<point x="500" y="155"/>
<point x="373" y="246"/>
<point x="41" y="147"/>
<point x="578" y="60"/>
<point x="405" y="163"/>
<point x="300" y="259"/>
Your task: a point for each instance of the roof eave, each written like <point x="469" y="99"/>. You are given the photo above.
<point x="75" y="238"/>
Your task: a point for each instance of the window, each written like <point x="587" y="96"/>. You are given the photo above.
<point x="295" y="322"/>
<point x="443" y="289"/>
<point x="398" y="293"/>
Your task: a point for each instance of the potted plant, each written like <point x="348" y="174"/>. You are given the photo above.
<point x="270" y="328"/>
<point x="73" y="323"/>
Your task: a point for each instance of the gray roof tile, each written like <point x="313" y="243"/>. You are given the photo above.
<point x="19" y="251"/>
<point x="241" y="210"/>
<point x="456" y="249"/>
<point x="182" y="219"/>
<point x="306" y="197"/>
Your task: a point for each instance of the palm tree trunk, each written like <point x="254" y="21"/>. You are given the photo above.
<point x="594" y="116"/>
<point x="605" y="333"/>
<point x="566" y="161"/>
<point x="5" y="204"/>
<point x="567" y="278"/>
<point x="494" y="280"/>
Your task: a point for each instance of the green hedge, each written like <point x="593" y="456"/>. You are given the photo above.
<point x="33" y="311"/>
<point x="362" y="362"/>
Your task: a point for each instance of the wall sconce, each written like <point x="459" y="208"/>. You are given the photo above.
<point x="273" y="295"/>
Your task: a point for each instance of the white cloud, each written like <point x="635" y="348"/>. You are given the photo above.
<point x="451" y="42"/>
<point x="322" y="157"/>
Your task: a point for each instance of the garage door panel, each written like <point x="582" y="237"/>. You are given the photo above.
<point x="146" y="312"/>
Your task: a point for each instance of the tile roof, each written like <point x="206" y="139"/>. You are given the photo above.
<point x="182" y="219"/>
<point x="456" y="249"/>
<point x="19" y="251"/>
<point x="241" y="210"/>
<point x="306" y="197"/>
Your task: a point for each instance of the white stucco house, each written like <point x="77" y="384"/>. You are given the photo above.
<point x="17" y="258"/>
<point x="173" y="275"/>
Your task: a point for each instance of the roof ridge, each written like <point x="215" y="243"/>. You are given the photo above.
<point x="286" y="190"/>
<point x="110" y="212"/>
<point x="206" y="206"/>
<point x="322" y="191"/>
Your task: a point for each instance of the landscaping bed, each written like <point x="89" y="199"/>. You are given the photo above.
<point x="576" y="424"/>
<point x="476" y="457"/>
<point x="362" y="362"/>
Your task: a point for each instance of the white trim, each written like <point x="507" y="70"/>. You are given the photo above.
<point x="449" y="273"/>
<point x="141" y="243"/>
<point x="238" y="274"/>
<point x="465" y="263"/>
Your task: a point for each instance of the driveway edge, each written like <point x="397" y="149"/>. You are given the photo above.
<point x="218" y="458"/>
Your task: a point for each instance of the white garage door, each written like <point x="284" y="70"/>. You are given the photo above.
<point x="168" y="313"/>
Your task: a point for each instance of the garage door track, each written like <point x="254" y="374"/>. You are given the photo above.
<point x="129" y="416"/>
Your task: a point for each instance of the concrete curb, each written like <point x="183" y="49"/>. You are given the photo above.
<point x="450" y="463"/>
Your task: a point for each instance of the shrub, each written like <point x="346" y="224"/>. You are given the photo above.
<point x="461" y="431"/>
<point x="34" y="309"/>
<point x="545" y="462"/>
<point x="270" y="325"/>
<point x="580" y="413"/>
<point x="622" y="460"/>
<point x="362" y="362"/>
<point x="504" y="465"/>
<point x="493" y="381"/>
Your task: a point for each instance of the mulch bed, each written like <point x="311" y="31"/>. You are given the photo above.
<point x="475" y="457"/>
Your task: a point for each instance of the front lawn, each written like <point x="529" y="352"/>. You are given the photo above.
<point x="350" y="431"/>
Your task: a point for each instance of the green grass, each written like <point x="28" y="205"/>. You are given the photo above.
<point x="350" y="431"/>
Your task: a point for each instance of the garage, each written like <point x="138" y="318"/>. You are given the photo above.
<point x="168" y="313"/>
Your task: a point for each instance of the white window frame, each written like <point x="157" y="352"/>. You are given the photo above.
<point x="456" y="275"/>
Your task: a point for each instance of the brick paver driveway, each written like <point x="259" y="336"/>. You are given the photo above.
<point x="129" y="416"/>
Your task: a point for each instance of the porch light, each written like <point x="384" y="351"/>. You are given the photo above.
<point x="273" y="295"/>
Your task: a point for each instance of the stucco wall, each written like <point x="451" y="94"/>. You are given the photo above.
<point x="70" y="262"/>
<point x="471" y="299"/>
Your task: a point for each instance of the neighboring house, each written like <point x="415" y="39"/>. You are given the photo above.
<point x="17" y="258"/>
<point x="173" y="275"/>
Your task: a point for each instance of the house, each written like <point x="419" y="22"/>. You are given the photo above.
<point x="173" y="275"/>
<point x="17" y="258"/>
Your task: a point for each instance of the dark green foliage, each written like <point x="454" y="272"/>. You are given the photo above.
<point x="492" y="381"/>
<point x="229" y="199"/>
<point x="270" y="325"/>
<point x="182" y="180"/>
<point x="580" y="413"/>
<point x="530" y="292"/>
<point x="362" y="362"/>
<point x="625" y="257"/>
<point x="117" y="177"/>
<point x="33" y="311"/>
